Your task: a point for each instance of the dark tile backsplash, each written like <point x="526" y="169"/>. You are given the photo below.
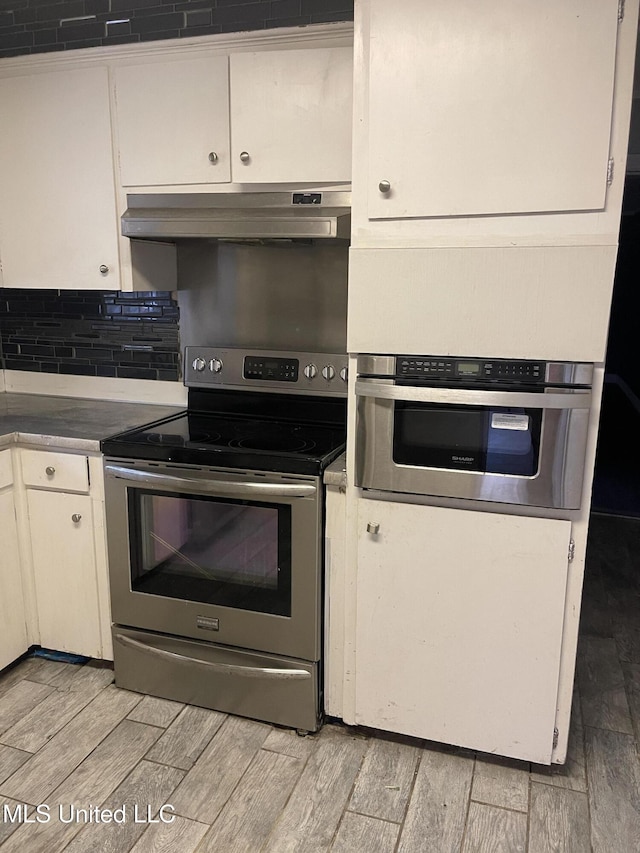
<point x="38" y="26"/>
<point x="88" y="333"/>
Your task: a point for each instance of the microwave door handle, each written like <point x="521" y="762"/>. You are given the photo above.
<point x="556" y="399"/>
<point x="225" y="668"/>
<point x="233" y="488"/>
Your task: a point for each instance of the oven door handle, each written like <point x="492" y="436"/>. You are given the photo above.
<point x="579" y="398"/>
<point x="233" y="488"/>
<point x="212" y="666"/>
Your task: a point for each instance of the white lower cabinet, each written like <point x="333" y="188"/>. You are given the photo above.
<point x="65" y="551"/>
<point x="13" y="631"/>
<point x="459" y="626"/>
<point x="64" y="568"/>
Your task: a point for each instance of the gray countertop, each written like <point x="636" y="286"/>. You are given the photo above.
<point x="336" y="473"/>
<point x="72" y="422"/>
<point x="80" y="424"/>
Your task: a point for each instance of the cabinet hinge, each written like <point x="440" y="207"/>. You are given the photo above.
<point x="620" y="11"/>
<point x="610" y="172"/>
<point x="556" y="735"/>
<point x="572" y="550"/>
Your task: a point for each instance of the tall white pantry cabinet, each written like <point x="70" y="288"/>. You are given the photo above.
<point x="507" y="136"/>
<point x="488" y="168"/>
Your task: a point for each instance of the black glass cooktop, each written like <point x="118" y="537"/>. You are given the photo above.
<point x="278" y="433"/>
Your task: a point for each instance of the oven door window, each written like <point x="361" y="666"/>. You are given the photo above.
<point x="215" y="551"/>
<point x="495" y="440"/>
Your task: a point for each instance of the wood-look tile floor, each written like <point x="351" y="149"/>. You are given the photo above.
<point x="70" y="739"/>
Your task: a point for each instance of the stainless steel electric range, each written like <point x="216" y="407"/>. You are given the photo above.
<point x="215" y="527"/>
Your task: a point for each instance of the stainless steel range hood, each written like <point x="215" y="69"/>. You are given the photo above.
<point x="239" y="216"/>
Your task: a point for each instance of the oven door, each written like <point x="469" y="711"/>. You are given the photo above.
<point x="232" y="557"/>
<point x="508" y="446"/>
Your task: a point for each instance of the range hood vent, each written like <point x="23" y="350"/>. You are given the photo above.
<point x="239" y="216"/>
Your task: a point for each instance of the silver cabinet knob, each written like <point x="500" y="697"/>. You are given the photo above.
<point x="328" y="371"/>
<point x="344" y="374"/>
<point x="384" y="186"/>
<point x="311" y="371"/>
<point x="215" y="365"/>
<point x="49" y="470"/>
<point x="373" y="527"/>
<point x="213" y="157"/>
<point x="198" y="364"/>
<point x="76" y="517"/>
<point x="104" y="269"/>
<point x="244" y="156"/>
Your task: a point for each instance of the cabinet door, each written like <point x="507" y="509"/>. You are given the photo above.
<point x="13" y="632"/>
<point x="459" y="626"/>
<point x="58" y="224"/>
<point x="291" y="112"/>
<point x="173" y="122"/>
<point x="64" y="566"/>
<point x="488" y="108"/>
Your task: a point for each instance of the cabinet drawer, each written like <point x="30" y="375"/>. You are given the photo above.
<point x="62" y="471"/>
<point x="6" y="471"/>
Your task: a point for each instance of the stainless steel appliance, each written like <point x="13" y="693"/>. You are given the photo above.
<point x="324" y="215"/>
<point x="215" y="535"/>
<point x="502" y="430"/>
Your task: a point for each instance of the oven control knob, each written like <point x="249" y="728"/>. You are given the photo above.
<point x="344" y="374"/>
<point x="198" y="364"/>
<point x="215" y="365"/>
<point x="328" y="371"/>
<point x="311" y="371"/>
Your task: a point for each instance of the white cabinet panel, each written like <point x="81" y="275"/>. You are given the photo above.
<point x="459" y="626"/>
<point x="171" y="117"/>
<point x="291" y="112"/>
<point x="549" y="302"/>
<point x="13" y="632"/>
<point x="489" y="108"/>
<point x="58" y="223"/>
<point x="6" y="469"/>
<point x="64" y="566"/>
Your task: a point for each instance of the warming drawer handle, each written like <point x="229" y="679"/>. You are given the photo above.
<point x="224" y="668"/>
<point x="216" y="487"/>
<point x="567" y="399"/>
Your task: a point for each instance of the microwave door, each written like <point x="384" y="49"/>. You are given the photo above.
<point x="513" y="445"/>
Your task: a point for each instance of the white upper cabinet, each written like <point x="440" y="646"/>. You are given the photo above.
<point x="288" y="118"/>
<point x="498" y="107"/>
<point x="58" y="225"/>
<point x="291" y="114"/>
<point x="173" y="122"/>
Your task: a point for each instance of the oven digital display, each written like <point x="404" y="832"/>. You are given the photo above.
<point x="271" y="369"/>
<point x="468" y="368"/>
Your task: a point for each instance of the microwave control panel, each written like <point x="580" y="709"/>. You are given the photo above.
<point x="421" y="367"/>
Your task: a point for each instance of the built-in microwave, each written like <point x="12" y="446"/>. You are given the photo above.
<point x="509" y="431"/>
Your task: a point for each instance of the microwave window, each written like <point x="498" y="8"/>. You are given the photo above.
<point x="215" y="551"/>
<point x="496" y="440"/>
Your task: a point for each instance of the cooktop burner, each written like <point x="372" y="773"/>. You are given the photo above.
<point x="263" y="434"/>
<point x="290" y="444"/>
